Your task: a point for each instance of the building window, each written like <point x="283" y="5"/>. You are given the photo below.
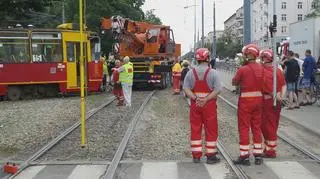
<point x="284" y="17"/>
<point x="300" y="17"/>
<point x="284" y="5"/>
<point x="283" y="29"/>
<point x="299" y="5"/>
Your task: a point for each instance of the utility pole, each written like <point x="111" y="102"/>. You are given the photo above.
<point x="247" y="21"/>
<point x="214" y="42"/>
<point x="275" y="63"/>
<point x="195" y="30"/>
<point x="202" y="36"/>
<point x="63" y="12"/>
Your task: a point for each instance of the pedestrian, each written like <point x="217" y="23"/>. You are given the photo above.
<point x="309" y="67"/>
<point x="117" y="88"/>
<point x="202" y="85"/>
<point x="292" y="76"/>
<point x="105" y="73"/>
<point x="111" y="65"/>
<point x="176" y="74"/>
<point x="271" y="115"/>
<point x="126" y="79"/>
<point x="300" y="62"/>
<point x="185" y="69"/>
<point x="250" y="79"/>
<point x="318" y="63"/>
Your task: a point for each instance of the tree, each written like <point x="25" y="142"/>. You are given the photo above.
<point x="152" y="18"/>
<point x="315" y="11"/>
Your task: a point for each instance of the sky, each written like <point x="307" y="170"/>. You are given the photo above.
<point x="172" y="13"/>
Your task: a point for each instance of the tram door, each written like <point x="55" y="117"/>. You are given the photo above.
<point x="73" y="63"/>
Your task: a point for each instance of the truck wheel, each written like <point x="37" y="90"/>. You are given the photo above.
<point x="14" y="93"/>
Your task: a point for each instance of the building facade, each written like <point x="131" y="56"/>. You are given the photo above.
<point x="287" y="11"/>
<point x="234" y="24"/>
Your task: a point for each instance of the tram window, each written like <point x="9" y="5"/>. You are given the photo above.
<point x="46" y="51"/>
<point x="95" y="49"/>
<point x="73" y="51"/>
<point x="14" y="51"/>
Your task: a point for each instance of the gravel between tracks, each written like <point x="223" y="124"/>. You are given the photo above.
<point x="27" y="125"/>
<point x="105" y="131"/>
<point x="162" y="133"/>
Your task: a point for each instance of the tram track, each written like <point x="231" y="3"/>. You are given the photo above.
<point x="56" y="140"/>
<point x="111" y="166"/>
<point x="283" y="137"/>
<point x="238" y="171"/>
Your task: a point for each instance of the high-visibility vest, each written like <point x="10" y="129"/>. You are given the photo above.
<point x="105" y="69"/>
<point x="176" y="70"/>
<point x="126" y="76"/>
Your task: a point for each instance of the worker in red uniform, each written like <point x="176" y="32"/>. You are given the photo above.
<point x="202" y="85"/>
<point x="117" y="88"/>
<point x="250" y="79"/>
<point x="271" y="115"/>
<point x="176" y="75"/>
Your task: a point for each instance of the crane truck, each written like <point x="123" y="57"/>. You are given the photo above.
<point x="150" y="47"/>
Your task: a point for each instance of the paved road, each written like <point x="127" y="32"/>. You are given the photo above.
<point x="307" y="116"/>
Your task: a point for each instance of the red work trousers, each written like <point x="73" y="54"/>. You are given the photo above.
<point x="204" y="116"/>
<point x="249" y="117"/>
<point x="269" y="126"/>
<point x="117" y="91"/>
<point x="176" y="83"/>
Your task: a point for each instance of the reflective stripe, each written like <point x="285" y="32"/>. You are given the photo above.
<point x="212" y="150"/>
<point x="266" y="96"/>
<point x="242" y="153"/>
<point x="271" y="148"/>
<point x="196" y="142"/>
<point x="251" y="94"/>
<point x="257" y="151"/>
<point x="244" y="147"/>
<point x="257" y="146"/>
<point x="196" y="149"/>
<point x="273" y="143"/>
<point x="211" y="144"/>
<point x="201" y="95"/>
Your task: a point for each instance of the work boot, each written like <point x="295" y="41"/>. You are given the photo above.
<point x="196" y="160"/>
<point x="269" y="154"/>
<point x="242" y="161"/>
<point x="258" y="160"/>
<point x="212" y="159"/>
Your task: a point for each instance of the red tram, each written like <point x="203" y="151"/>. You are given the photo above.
<point x="46" y="62"/>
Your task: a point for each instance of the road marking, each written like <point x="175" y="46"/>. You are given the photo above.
<point x="168" y="170"/>
<point x="292" y="170"/>
<point x="87" y="172"/>
<point x="30" y="172"/>
<point x="217" y="171"/>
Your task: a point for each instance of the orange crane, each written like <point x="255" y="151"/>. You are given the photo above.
<point x="150" y="47"/>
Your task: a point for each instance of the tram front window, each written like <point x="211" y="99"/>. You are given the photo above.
<point x="46" y="51"/>
<point x="14" y="51"/>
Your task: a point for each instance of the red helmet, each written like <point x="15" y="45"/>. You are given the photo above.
<point x="202" y="54"/>
<point x="250" y="49"/>
<point x="267" y="55"/>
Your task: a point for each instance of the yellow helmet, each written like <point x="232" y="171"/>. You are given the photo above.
<point x="185" y="62"/>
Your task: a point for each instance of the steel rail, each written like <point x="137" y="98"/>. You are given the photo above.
<point x="56" y="140"/>
<point x="284" y="138"/>
<point x="111" y="169"/>
<point x="235" y="168"/>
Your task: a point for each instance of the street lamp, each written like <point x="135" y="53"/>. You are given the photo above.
<point x="195" y="26"/>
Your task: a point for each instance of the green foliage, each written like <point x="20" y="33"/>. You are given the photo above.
<point x="315" y="12"/>
<point x="227" y="46"/>
<point x="48" y="13"/>
<point x="152" y="18"/>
